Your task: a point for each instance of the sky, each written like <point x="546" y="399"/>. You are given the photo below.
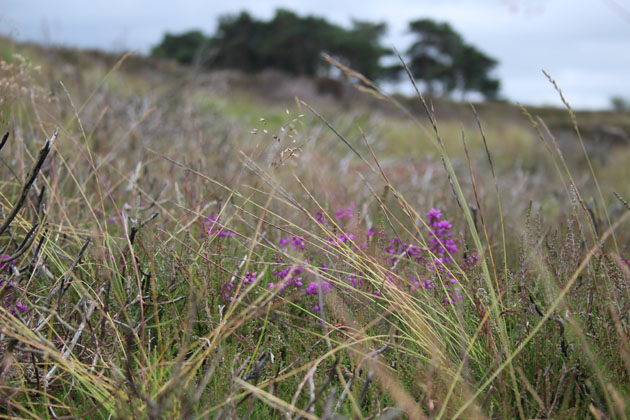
<point x="583" y="44"/>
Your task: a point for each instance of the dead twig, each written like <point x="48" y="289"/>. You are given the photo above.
<point x="4" y="140"/>
<point x="30" y="179"/>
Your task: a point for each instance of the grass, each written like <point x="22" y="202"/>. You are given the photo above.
<point x="184" y="252"/>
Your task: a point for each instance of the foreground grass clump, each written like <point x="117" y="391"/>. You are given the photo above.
<point x="162" y="260"/>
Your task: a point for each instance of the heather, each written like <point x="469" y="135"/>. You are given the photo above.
<point x="207" y="245"/>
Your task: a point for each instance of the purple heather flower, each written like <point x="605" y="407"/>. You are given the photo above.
<point x="214" y="227"/>
<point x="413" y="251"/>
<point x="356" y="281"/>
<point x="443" y="247"/>
<point x="441" y="244"/>
<point x="298" y="243"/>
<point x="290" y="276"/>
<point x="472" y="259"/>
<point x="314" y="286"/>
<point x="250" y="277"/>
<point x="341" y="238"/>
<point x="394" y="247"/>
<point x="345" y="213"/>
<point x="434" y="215"/>
<point x="9" y="285"/>
<point x="320" y="217"/>
<point x="371" y="231"/>
<point x="22" y="307"/>
<point x="5" y="263"/>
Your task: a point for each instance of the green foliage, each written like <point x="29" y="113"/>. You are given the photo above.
<point x="187" y="48"/>
<point x="620" y="104"/>
<point x="293" y="44"/>
<point x="442" y="59"/>
<point x="237" y="43"/>
<point x="361" y="50"/>
<point x="287" y="42"/>
<point x="433" y="54"/>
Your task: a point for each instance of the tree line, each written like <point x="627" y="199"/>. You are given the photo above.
<point x="439" y="57"/>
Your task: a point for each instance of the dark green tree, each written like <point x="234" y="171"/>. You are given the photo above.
<point x="288" y="42"/>
<point x="187" y="48"/>
<point x="432" y="55"/>
<point x="237" y="43"/>
<point x="472" y="71"/>
<point x="360" y="48"/>
<point x="620" y="104"/>
<point x="293" y="44"/>
<point x="446" y="63"/>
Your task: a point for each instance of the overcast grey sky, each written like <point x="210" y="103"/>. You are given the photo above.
<point x="583" y="44"/>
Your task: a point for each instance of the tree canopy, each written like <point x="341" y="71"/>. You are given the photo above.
<point x="439" y="56"/>
<point x="185" y="47"/>
<point x="294" y="44"/>
<point x="443" y="60"/>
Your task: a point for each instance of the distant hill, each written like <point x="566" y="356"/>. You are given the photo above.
<point x="598" y="128"/>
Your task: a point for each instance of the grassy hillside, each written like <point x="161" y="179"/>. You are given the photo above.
<point x="180" y="244"/>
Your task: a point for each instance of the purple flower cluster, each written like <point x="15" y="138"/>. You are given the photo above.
<point x="249" y="278"/>
<point x="345" y="213"/>
<point x="441" y="243"/>
<point x="214" y="228"/>
<point x="341" y="238"/>
<point x="297" y="242"/>
<point x="355" y="280"/>
<point x="412" y="266"/>
<point x="394" y="247"/>
<point x="426" y="283"/>
<point x="292" y="275"/>
<point x="5" y="265"/>
<point x="443" y="248"/>
<point x="314" y="286"/>
<point x="397" y="247"/>
<point x="404" y="257"/>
